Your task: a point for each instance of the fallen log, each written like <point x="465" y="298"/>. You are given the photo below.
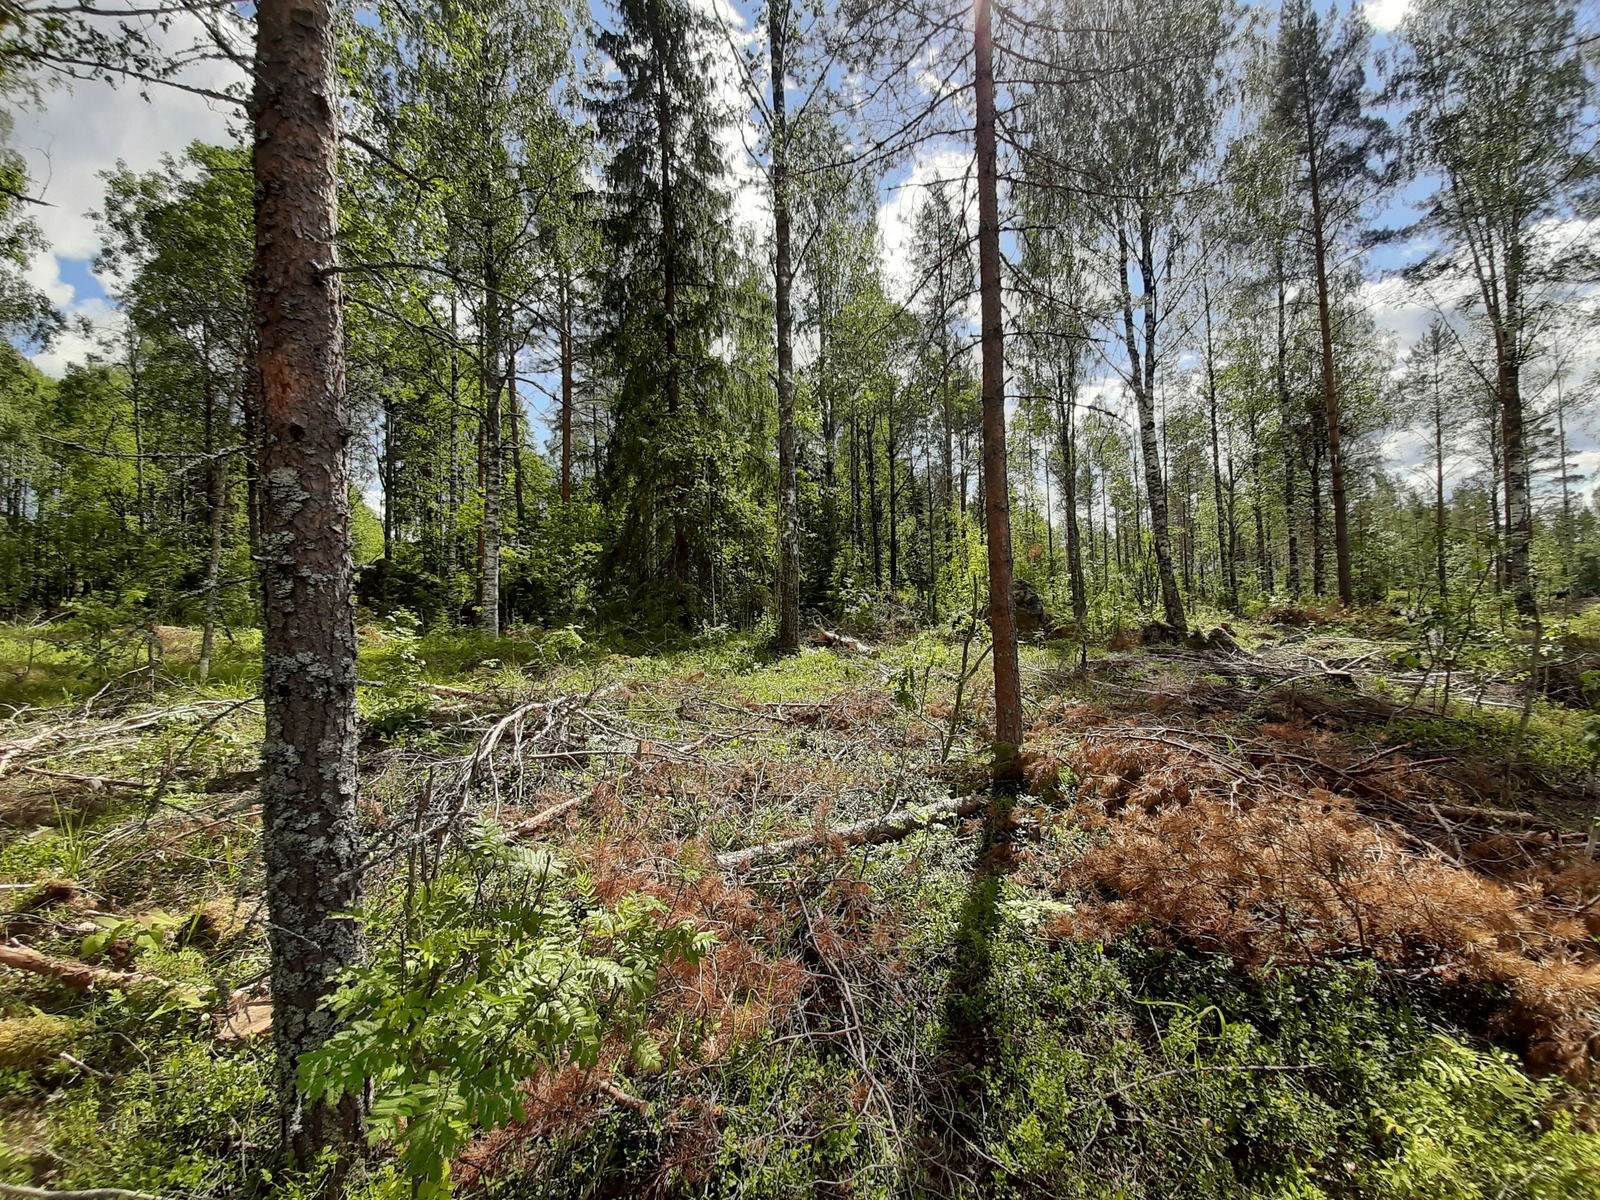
<point x="890" y="827"/>
<point x="1506" y="816"/>
<point x="830" y="640"/>
<point x="74" y="974"/>
<point x="542" y="818"/>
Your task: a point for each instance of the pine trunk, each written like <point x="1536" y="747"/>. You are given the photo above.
<point x="1330" y="390"/>
<point x="311" y="843"/>
<point x="1002" y="606"/>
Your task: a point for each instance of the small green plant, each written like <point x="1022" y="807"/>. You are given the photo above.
<point x="142" y="933"/>
<point x="503" y="966"/>
<point x="561" y="645"/>
<point x="400" y="709"/>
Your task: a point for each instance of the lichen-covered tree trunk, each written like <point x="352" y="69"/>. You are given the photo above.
<point x="311" y="843"/>
<point x="997" y="496"/>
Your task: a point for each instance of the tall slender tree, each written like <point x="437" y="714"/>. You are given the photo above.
<point x="996" y="484"/>
<point x="1499" y="96"/>
<point x="311" y="841"/>
<point x="1320" y="109"/>
<point x="657" y="122"/>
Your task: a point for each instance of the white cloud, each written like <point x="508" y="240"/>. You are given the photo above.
<point x="76" y="134"/>
<point x="898" y="213"/>
<point x="1386" y="15"/>
<point x="94" y="321"/>
<point x="1399" y="308"/>
<point x="44" y="274"/>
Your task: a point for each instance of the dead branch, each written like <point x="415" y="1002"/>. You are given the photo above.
<point x="1506" y="816"/>
<point x="74" y="974"/>
<point x="606" y="1088"/>
<point x="540" y="819"/>
<point x="455" y="693"/>
<point x="888" y="828"/>
<point x="109" y="1193"/>
<point x="95" y="783"/>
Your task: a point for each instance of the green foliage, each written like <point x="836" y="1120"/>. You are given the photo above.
<point x="1467" y="1124"/>
<point x="173" y="1122"/>
<point x="501" y="967"/>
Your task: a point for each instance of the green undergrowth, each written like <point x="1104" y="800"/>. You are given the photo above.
<point x="948" y="1043"/>
<point x="1554" y="736"/>
<point x="997" y="1061"/>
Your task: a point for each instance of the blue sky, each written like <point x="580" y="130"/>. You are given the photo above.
<point x="78" y="134"/>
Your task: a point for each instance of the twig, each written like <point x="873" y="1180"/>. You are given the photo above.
<point x="607" y="1088"/>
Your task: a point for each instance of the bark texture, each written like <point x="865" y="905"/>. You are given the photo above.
<point x="997" y="496"/>
<point x="311" y="842"/>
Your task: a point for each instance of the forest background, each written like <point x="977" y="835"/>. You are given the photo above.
<point x="147" y="355"/>
<point x="603" y="337"/>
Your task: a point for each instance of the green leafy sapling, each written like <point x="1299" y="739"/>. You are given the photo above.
<point x="505" y="965"/>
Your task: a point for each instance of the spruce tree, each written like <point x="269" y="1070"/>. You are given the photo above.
<point x="663" y="297"/>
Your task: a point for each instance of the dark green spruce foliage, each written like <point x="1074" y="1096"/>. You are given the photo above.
<point x="665" y="303"/>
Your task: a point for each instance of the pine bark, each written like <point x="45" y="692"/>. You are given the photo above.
<point x="1002" y="605"/>
<point x="311" y="841"/>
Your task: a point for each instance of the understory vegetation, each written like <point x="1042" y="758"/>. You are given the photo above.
<point x="1264" y="922"/>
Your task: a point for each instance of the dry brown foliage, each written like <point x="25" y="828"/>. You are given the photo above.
<point x="1261" y="858"/>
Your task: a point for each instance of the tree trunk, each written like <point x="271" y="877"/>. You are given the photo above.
<point x="449" y="530"/>
<point x="216" y="520"/>
<point x="216" y="506"/>
<point x="1438" y="491"/>
<point x="1514" y="450"/>
<point x="310" y="835"/>
<point x="1066" y="421"/>
<point x="1230" y="578"/>
<point x="1142" y="372"/>
<point x="1002" y="605"/>
<point x="680" y="487"/>
<point x="874" y="502"/>
<point x="1319" y="573"/>
<point x="514" y="429"/>
<point x="493" y="468"/>
<point x="1286" y="420"/>
<point x="1330" y="390"/>
<point x="788" y="638"/>
<point x="892" y="448"/>
<point x="566" y="388"/>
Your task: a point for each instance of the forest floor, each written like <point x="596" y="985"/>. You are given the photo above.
<point x="1264" y="922"/>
